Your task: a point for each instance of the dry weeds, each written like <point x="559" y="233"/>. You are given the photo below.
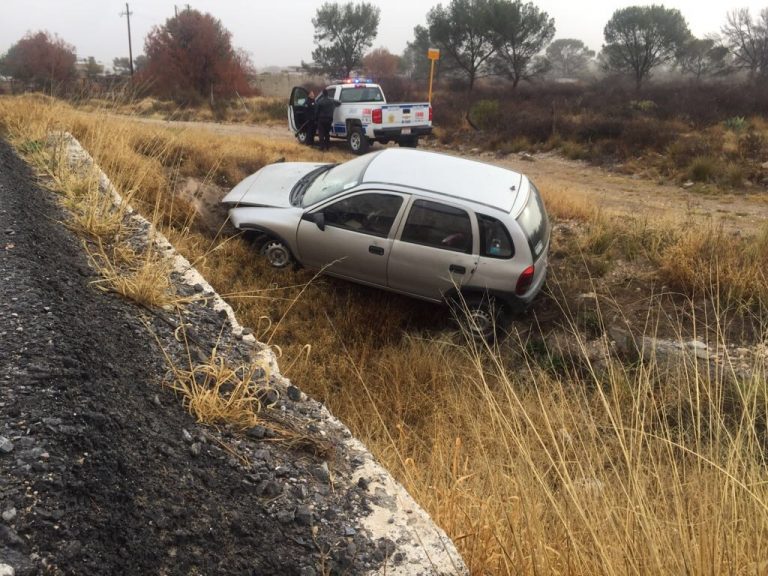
<point x="598" y="467"/>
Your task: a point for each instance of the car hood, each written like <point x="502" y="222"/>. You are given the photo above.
<point x="270" y="186"/>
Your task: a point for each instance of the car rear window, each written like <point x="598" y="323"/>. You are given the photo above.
<point x="535" y="223"/>
<point x="494" y="238"/>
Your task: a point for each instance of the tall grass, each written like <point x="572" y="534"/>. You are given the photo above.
<point x="534" y="461"/>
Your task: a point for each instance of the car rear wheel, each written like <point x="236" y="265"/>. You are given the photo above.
<point x="357" y="141"/>
<point x="477" y="315"/>
<point x="302" y="136"/>
<point x="277" y="253"/>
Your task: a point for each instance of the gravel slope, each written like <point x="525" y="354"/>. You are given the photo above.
<point x="103" y="472"/>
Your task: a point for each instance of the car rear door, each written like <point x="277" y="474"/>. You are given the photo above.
<point x="357" y="236"/>
<point x="297" y="108"/>
<point x="434" y="250"/>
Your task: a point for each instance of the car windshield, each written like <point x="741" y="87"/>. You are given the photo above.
<point x="338" y="179"/>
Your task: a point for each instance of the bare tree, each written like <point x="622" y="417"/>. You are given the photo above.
<point x="748" y="40"/>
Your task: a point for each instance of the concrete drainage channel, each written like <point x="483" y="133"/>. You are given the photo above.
<point x="386" y="515"/>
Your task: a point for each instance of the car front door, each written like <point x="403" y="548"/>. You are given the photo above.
<point x="354" y="238"/>
<point x="434" y="251"/>
<point x="297" y="108"/>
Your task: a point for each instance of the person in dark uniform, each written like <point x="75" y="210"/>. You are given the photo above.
<point x="324" y="107"/>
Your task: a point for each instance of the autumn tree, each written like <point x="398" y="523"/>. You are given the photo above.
<point x="343" y="32"/>
<point x="521" y="31"/>
<point x="747" y="40"/>
<point x="381" y="63"/>
<point x="568" y="57"/>
<point x="191" y="57"/>
<point x="463" y="31"/>
<point x="43" y="60"/>
<point x="640" y="38"/>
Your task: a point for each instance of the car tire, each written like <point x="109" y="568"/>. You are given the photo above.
<point x="358" y="142"/>
<point x="477" y="315"/>
<point x="277" y="253"/>
<point x="302" y="136"/>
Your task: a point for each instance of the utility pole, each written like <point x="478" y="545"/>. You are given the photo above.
<point x="127" y="14"/>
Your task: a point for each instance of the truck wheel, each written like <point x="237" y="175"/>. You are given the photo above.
<point x="358" y="143"/>
<point x="301" y="136"/>
<point x="409" y="141"/>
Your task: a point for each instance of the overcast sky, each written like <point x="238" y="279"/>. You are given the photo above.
<point x="279" y="32"/>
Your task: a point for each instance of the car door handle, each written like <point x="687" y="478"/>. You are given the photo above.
<point x="458" y="269"/>
<point x="378" y="250"/>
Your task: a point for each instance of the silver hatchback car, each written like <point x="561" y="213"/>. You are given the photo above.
<point x="428" y="225"/>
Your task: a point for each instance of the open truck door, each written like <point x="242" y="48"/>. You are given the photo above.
<point x="299" y="113"/>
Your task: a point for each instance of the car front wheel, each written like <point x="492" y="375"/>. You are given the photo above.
<point x="302" y="136"/>
<point x="277" y="253"/>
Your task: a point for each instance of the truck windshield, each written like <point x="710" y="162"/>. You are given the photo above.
<point x="361" y="94"/>
<point x="339" y="178"/>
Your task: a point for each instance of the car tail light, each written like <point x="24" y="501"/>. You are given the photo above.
<point x="376" y="116"/>
<point x="524" y="282"/>
<point x="430" y="113"/>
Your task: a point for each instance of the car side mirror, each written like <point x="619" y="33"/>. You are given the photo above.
<point x="316" y="217"/>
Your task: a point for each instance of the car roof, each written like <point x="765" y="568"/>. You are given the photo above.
<point x="446" y="175"/>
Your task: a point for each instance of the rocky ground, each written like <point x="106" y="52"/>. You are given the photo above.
<point x="102" y="471"/>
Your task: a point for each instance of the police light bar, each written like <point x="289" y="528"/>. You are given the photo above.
<point x="357" y="81"/>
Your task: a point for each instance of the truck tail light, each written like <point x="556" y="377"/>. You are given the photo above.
<point x="376" y="116"/>
<point x="430" y="113"/>
<point x="524" y="282"/>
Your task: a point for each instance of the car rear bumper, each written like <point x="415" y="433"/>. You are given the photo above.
<point x="393" y="133"/>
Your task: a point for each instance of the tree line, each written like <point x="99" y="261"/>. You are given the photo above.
<point x="191" y="56"/>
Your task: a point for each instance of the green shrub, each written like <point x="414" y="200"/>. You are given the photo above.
<point x="704" y="169"/>
<point x="645" y="106"/>
<point x="735" y="124"/>
<point x="485" y="114"/>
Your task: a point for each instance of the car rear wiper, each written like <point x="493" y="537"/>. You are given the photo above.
<point x="298" y="190"/>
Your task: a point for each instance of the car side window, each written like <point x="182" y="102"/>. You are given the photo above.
<point x="494" y="238"/>
<point x="434" y="224"/>
<point x="367" y="213"/>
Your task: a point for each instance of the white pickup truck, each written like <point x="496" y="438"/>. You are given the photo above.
<point x="364" y="116"/>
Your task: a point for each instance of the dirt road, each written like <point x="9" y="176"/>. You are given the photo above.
<point x="743" y="211"/>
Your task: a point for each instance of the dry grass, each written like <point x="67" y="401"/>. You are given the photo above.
<point x="597" y="467"/>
